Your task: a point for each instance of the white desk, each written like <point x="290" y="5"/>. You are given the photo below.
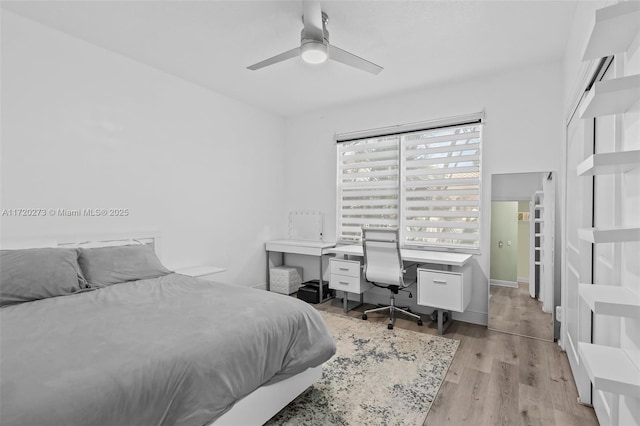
<point x="447" y="289"/>
<point x="309" y="248"/>
<point x="409" y="255"/>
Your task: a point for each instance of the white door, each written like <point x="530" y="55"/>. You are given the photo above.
<point x="576" y="325"/>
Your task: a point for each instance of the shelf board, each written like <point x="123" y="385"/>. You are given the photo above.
<point x="610" y="369"/>
<point x="613" y="31"/>
<point x="610" y="300"/>
<point x="609" y="235"/>
<point x="610" y="162"/>
<point x="613" y="96"/>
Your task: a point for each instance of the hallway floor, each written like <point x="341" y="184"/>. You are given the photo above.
<point x="512" y="310"/>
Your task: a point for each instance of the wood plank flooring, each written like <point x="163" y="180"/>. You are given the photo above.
<point x="497" y="378"/>
<point x="512" y="310"/>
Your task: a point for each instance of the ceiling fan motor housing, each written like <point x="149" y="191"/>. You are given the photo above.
<point x="313" y="50"/>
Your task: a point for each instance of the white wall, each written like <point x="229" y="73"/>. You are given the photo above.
<point x="523" y="133"/>
<point x="515" y="186"/>
<point x="84" y="128"/>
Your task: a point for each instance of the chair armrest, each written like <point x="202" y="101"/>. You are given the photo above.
<point x="410" y="265"/>
<point x="410" y="273"/>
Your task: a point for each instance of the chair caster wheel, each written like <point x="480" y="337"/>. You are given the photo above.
<point x="364" y="317"/>
<point x="390" y="326"/>
<point x="419" y="322"/>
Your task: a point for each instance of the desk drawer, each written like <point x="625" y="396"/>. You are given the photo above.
<point x="441" y="290"/>
<point x="345" y="283"/>
<point x="350" y="268"/>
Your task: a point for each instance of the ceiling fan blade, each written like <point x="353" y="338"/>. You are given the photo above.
<point x="342" y="56"/>
<point x="274" y="60"/>
<point x="312" y="18"/>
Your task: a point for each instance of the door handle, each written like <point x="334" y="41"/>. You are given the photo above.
<point x="439" y="281"/>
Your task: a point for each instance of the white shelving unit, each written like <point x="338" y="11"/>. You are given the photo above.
<point x="610" y="162"/>
<point x="613" y="30"/>
<point x="535" y="265"/>
<point x="611" y="369"/>
<point x="610" y="300"/>
<point x="613" y="96"/>
<point x="616" y="234"/>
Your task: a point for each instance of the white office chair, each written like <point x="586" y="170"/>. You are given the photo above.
<point x="383" y="267"/>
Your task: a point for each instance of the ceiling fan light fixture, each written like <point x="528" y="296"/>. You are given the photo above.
<point x="314" y="52"/>
<point x="314" y="44"/>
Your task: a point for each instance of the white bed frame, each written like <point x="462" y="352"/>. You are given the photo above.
<point x="254" y="409"/>
<point x="66" y="240"/>
<point x="264" y="402"/>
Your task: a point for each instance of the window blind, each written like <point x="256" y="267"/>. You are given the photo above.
<point x="440" y="187"/>
<point x="368" y="182"/>
<point x="424" y="181"/>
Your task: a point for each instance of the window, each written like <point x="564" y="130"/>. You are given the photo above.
<point x="426" y="182"/>
<point x="368" y="182"/>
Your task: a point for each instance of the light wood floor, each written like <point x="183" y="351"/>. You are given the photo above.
<point x="497" y="378"/>
<point x="512" y="310"/>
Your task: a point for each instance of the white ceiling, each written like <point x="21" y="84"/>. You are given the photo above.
<point x="419" y="43"/>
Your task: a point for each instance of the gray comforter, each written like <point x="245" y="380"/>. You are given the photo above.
<point x="169" y="350"/>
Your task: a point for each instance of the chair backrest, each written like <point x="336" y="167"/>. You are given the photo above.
<point x="382" y="258"/>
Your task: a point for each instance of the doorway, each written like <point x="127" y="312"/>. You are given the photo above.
<point x="518" y="263"/>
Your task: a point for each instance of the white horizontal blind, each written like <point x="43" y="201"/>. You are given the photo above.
<point x="368" y="180"/>
<point x="440" y="187"/>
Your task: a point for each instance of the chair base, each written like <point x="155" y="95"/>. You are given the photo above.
<point x="392" y="313"/>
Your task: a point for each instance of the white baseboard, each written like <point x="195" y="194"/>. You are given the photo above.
<point x="523" y="280"/>
<point x="262" y="286"/>
<point x="512" y="284"/>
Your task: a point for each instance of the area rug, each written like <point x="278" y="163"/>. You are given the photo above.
<point x="377" y="377"/>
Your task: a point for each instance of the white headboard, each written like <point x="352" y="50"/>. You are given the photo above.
<point x="151" y="237"/>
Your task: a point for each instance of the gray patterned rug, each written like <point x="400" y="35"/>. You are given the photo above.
<point x="377" y="377"/>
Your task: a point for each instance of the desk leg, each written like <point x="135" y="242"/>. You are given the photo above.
<point x="442" y="326"/>
<point x="269" y="253"/>
<point x="268" y="284"/>
<point x="345" y="302"/>
<point x="320" y="282"/>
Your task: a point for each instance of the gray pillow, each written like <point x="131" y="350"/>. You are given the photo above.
<point x="104" y="266"/>
<point x="34" y="274"/>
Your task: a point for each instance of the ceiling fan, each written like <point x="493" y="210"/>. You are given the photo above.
<point x="314" y="44"/>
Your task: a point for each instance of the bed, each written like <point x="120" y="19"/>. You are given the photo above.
<point x="162" y="350"/>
